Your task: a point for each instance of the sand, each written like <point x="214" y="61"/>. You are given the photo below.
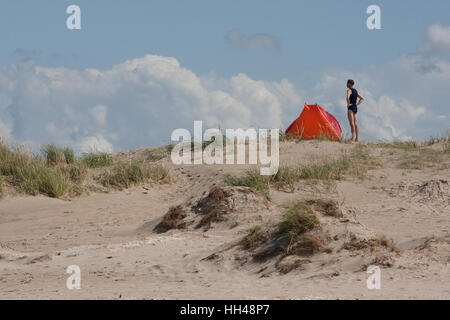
<point x="112" y="238"/>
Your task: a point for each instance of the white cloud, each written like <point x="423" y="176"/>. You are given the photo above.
<point x="134" y="104"/>
<point x="259" y="42"/>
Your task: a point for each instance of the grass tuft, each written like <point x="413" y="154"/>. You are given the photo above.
<point x="291" y="236"/>
<point x="298" y="219"/>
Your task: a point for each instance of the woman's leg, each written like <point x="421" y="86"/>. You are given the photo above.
<point x="355" y="123"/>
<point x="352" y="123"/>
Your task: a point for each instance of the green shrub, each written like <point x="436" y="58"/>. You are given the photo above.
<point x="34" y="177"/>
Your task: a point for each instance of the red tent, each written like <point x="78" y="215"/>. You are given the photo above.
<point x="315" y="122"/>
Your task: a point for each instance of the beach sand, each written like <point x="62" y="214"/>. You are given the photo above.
<point x="111" y="236"/>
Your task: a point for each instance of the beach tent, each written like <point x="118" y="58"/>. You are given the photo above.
<point x="315" y="122"/>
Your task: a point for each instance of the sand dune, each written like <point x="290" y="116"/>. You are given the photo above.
<point x="397" y="218"/>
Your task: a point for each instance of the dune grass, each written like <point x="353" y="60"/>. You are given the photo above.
<point x="420" y="155"/>
<point x="127" y="174"/>
<point x="55" y="155"/>
<point x="356" y="163"/>
<point x="252" y="179"/>
<point x="32" y="175"/>
<point x="69" y="155"/>
<point x="58" y="173"/>
<point x="94" y="159"/>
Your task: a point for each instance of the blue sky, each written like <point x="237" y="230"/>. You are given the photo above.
<point x="317" y="39"/>
<point x="313" y="34"/>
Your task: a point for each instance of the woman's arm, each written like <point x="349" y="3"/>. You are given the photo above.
<point x="349" y="92"/>
<point x="361" y="99"/>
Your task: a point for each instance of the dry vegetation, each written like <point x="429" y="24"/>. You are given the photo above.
<point x="173" y="219"/>
<point x="372" y="244"/>
<point x="210" y="209"/>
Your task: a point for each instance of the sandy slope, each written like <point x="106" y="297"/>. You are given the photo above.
<point x="110" y="236"/>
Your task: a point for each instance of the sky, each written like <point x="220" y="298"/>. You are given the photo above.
<point x="139" y="69"/>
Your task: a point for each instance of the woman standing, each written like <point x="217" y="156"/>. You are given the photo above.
<point x="352" y="106"/>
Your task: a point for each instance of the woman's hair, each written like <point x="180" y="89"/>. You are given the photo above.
<point x="351" y="82"/>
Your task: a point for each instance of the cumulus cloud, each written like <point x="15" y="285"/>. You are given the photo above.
<point x="134" y="104"/>
<point x="258" y="42"/>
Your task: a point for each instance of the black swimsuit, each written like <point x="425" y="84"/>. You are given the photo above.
<point x="353" y="98"/>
